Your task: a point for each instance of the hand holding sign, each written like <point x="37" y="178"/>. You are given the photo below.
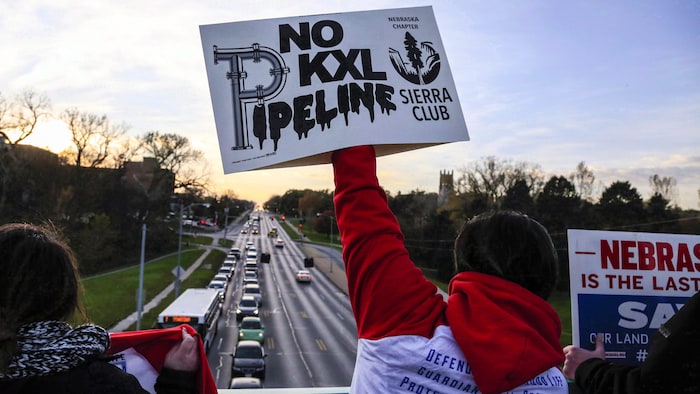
<point x="185" y="355"/>
<point x="575" y="356"/>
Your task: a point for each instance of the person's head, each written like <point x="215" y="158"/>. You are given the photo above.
<point x="509" y="245"/>
<point x="39" y="278"/>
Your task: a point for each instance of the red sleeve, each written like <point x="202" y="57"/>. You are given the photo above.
<point x="389" y="294"/>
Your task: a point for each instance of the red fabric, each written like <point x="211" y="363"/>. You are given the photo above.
<point x="507" y="333"/>
<point x="155" y="344"/>
<point x="389" y="294"/>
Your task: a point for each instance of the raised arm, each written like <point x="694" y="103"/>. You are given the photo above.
<point x="389" y="295"/>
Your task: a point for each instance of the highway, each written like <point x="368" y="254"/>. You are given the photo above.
<point x="311" y="337"/>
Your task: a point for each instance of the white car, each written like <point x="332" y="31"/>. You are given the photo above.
<point x="303" y="276"/>
<point x="253" y="290"/>
<point x="220" y="286"/>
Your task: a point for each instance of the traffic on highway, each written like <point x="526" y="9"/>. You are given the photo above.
<point x="302" y="332"/>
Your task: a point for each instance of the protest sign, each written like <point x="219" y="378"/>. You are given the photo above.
<point x="286" y="92"/>
<point x="626" y="285"/>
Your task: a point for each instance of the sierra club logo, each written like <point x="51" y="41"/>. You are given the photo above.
<point x="423" y="64"/>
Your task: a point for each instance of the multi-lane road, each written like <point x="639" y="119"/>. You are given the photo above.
<point x="310" y="332"/>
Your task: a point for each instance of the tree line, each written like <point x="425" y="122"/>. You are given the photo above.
<point x="430" y="221"/>
<point x="92" y="192"/>
<point x="102" y="189"/>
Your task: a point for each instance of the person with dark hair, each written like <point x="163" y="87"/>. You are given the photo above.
<point x="39" y="350"/>
<point x="672" y="364"/>
<point x="495" y="333"/>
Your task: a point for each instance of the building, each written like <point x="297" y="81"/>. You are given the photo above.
<point x="446" y="188"/>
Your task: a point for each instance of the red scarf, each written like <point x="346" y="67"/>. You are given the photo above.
<point x="508" y="334"/>
<point x="153" y="345"/>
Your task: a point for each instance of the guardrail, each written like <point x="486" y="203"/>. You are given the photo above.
<point x="297" y="390"/>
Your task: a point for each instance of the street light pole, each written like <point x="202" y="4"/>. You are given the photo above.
<point x="179" y="256"/>
<point x="141" y="264"/>
<point x="226" y="222"/>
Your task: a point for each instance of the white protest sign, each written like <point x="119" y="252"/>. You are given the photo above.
<point x="286" y="92"/>
<point x="626" y="284"/>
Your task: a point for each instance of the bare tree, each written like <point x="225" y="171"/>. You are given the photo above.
<point x="583" y="179"/>
<point x="91" y="135"/>
<point x="174" y="153"/>
<point x="125" y="149"/>
<point x="492" y="177"/>
<point x="663" y="186"/>
<point x="19" y="118"/>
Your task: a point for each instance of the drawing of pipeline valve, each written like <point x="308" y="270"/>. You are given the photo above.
<point x="258" y="95"/>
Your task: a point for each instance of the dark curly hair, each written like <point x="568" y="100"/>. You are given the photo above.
<point x="509" y="245"/>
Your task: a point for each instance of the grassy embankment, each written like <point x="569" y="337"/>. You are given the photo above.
<point x="110" y="297"/>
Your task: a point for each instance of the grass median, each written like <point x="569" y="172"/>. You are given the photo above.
<point x="108" y="298"/>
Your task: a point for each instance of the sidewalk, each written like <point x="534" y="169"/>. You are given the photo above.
<point x="323" y="263"/>
<point x="132" y="318"/>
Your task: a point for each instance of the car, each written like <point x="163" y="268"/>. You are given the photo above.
<point x="226" y="270"/>
<point x="249" y="245"/>
<point x="250" y="280"/>
<point x="251" y="265"/>
<point x="303" y="276"/>
<point x="243" y="382"/>
<point x="279" y="243"/>
<point x="248" y="360"/>
<point x="235" y="252"/>
<point x="221" y="286"/>
<point x="218" y="282"/>
<point x="251" y="254"/>
<point x="247" y="306"/>
<point x="251" y="328"/>
<point x="244" y="231"/>
<point x="255" y="291"/>
<point x="256" y="231"/>
<point x="222" y="277"/>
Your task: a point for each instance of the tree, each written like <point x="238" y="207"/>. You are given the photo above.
<point x="19" y="118"/>
<point x="92" y="136"/>
<point x="412" y="209"/>
<point x="174" y="153"/>
<point x="583" y="179"/>
<point x="492" y="177"/>
<point x="659" y="215"/>
<point x="621" y="205"/>
<point x="414" y="54"/>
<point x="663" y="186"/>
<point x="313" y="202"/>
<point x="558" y="206"/>
<point x="288" y="203"/>
<point x="126" y="149"/>
<point x="518" y="198"/>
